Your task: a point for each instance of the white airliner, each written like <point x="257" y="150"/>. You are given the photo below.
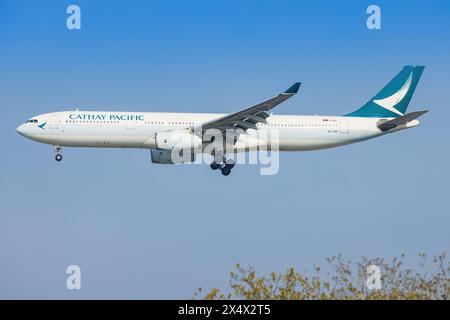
<point x="163" y="132"/>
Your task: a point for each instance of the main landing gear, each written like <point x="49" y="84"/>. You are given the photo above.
<point x="58" y="156"/>
<point x="225" y="166"/>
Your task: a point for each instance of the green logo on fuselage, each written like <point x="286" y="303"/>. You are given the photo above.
<point x="106" y="117"/>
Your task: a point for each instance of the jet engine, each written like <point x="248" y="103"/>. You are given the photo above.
<point x="175" y="147"/>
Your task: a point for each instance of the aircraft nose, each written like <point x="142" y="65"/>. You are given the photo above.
<point x="21" y="130"/>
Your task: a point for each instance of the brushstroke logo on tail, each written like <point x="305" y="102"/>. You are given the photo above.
<point x="390" y="102"/>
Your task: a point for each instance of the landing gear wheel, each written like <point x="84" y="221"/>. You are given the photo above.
<point x="58" y="157"/>
<point x="226" y="170"/>
<point x="215" y="165"/>
<point x="229" y="164"/>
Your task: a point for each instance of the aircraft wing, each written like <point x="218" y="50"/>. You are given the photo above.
<point x="249" y="117"/>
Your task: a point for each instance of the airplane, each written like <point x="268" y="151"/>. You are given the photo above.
<point x="163" y="132"/>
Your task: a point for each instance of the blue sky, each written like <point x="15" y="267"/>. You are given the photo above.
<point x="139" y="230"/>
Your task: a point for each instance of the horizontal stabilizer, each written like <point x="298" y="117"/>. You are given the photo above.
<point x="391" y="124"/>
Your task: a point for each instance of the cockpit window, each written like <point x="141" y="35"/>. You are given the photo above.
<point x="32" y="121"/>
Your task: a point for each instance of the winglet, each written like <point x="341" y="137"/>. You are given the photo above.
<point x="293" y="89"/>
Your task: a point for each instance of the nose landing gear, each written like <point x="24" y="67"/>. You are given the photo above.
<point x="58" y="156"/>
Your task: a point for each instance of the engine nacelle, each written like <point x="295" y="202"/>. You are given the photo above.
<point x="171" y="157"/>
<point x="176" y="147"/>
<point x="161" y="156"/>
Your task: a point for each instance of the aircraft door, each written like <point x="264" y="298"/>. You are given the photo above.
<point x="54" y="122"/>
<point x="343" y="126"/>
<point x="131" y="124"/>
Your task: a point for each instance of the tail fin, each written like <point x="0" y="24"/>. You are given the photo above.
<point x="393" y="99"/>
